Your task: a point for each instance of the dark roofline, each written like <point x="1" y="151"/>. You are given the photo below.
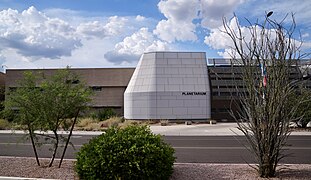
<point x="69" y="68"/>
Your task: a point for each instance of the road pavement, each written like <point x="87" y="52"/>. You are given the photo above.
<point x="189" y="149"/>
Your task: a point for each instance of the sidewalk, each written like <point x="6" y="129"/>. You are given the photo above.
<point x="219" y="129"/>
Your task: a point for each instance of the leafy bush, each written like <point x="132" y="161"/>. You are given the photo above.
<point x="94" y="115"/>
<point x="4" y="124"/>
<point x="130" y="153"/>
<point x="104" y="114"/>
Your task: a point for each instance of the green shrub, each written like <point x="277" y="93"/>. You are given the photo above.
<point x="94" y="115"/>
<point x="4" y="124"/>
<point x="104" y="114"/>
<point x="130" y="153"/>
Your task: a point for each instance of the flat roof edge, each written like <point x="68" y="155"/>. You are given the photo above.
<point x="82" y="68"/>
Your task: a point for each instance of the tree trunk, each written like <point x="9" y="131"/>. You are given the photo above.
<point x="68" y="138"/>
<point x="55" y="148"/>
<point x="33" y="145"/>
<point x="267" y="170"/>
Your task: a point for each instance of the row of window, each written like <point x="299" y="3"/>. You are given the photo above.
<point x="226" y="78"/>
<point x="229" y="94"/>
<point x="94" y="88"/>
<point x="239" y="73"/>
<point x="227" y="87"/>
<point x="220" y="110"/>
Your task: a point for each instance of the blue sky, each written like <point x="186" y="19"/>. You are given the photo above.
<point x="114" y="33"/>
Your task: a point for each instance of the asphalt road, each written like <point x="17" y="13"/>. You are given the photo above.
<point x="189" y="149"/>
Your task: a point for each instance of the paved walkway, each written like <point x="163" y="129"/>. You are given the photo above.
<point x="219" y="129"/>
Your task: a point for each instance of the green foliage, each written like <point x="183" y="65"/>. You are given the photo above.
<point x="129" y="153"/>
<point x="62" y="98"/>
<point x="23" y="104"/>
<point x="93" y="115"/>
<point x="4" y="124"/>
<point x="46" y="103"/>
<point x="104" y="114"/>
<point x="303" y="113"/>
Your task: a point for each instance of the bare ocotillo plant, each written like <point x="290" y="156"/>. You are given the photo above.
<point x="268" y="55"/>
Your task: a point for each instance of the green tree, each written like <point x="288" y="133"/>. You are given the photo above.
<point x="268" y="54"/>
<point x="23" y="105"/>
<point x="303" y="113"/>
<point x="55" y="103"/>
<point x="64" y="97"/>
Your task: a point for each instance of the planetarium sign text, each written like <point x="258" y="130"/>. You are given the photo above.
<point x="194" y="93"/>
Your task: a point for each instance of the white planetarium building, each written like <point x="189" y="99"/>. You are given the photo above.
<point x="169" y="85"/>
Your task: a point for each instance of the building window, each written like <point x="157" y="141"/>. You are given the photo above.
<point x="214" y="110"/>
<point x="223" y="110"/>
<point x="96" y="88"/>
<point x="225" y="94"/>
<point x="215" y="94"/>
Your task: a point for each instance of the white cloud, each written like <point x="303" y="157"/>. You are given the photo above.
<point x="306" y="48"/>
<point x="219" y="40"/>
<point x="133" y="46"/>
<point x="305" y="35"/>
<point x="56" y="38"/>
<point x="92" y="29"/>
<point x="91" y="54"/>
<point x="179" y="10"/>
<point x="140" y="18"/>
<point x="96" y="29"/>
<point x="212" y="11"/>
<point x="2" y="60"/>
<point x="33" y="34"/>
<point x="178" y="26"/>
<point x="180" y="14"/>
<point x="116" y="25"/>
<point x="140" y="42"/>
<point x="168" y="30"/>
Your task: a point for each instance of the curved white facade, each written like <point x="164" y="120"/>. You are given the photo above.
<point x="169" y="85"/>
